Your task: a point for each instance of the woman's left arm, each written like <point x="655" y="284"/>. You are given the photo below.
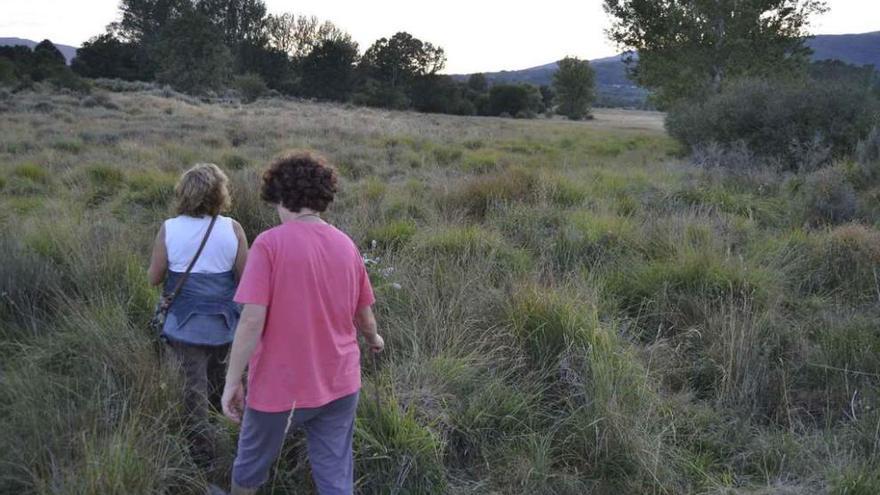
<point x="159" y="259"/>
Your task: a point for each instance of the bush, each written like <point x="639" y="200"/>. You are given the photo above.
<point x="250" y="86"/>
<point x="233" y="161"/>
<point x="393" y="234"/>
<point x="779" y="120"/>
<point x="32" y="172"/>
<point x="844" y="261"/>
<point x="547" y="324"/>
<point x="522" y="100"/>
<point x="394" y="450"/>
<point x="478" y="194"/>
<point x="152" y="189"/>
<point x="829" y="197"/>
<point x="868" y="154"/>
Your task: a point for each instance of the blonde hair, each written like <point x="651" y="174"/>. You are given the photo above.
<point x="202" y="190"/>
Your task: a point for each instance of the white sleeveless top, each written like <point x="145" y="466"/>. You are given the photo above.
<point x="183" y="234"/>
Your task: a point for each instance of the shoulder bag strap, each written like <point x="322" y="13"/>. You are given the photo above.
<point x="179" y="285"/>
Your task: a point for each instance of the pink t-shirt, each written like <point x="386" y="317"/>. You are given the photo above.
<point x="312" y="279"/>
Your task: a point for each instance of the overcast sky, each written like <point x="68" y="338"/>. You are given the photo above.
<point x="478" y="35"/>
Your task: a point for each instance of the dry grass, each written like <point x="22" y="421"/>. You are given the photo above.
<point x="568" y="307"/>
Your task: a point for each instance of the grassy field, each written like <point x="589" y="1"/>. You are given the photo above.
<point x="569" y="307"/>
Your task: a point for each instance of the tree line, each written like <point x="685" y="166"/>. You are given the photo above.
<point x="200" y="46"/>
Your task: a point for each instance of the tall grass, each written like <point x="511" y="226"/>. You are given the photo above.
<point x="567" y="307"/>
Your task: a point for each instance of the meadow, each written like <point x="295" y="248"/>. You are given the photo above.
<point x="569" y="307"/>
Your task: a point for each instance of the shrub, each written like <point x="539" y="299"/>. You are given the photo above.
<point x="99" y="100"/>
<point x="234" y="161"/>
<point x="781" y="120"/>
<point x="105" y="176"/>
<point x="478" y="194"/>
<point x="151" y="189"/>
<point x="829" y="197"/>
<point x="514" y="99"/>
<point x="868" y="154"/>
<point x="394" y="450"/>
<point x="546" y="323"/>
<point x="393" y="234"/>
<point x="844" y="261"/>
<point x="589" y="237"/>
<point x="68" y="146"/>
<point x="250" y="86"/>
<point x="671" y="295"/>
<point x="32" y="172"/>
<point x="447" y="155"/>
<point x="856" y="480"/>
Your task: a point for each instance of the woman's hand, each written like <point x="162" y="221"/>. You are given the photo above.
<point x="233" y="401"/>
<point x="376" y="342"/>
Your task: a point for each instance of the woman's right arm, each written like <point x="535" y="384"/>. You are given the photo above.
<point x="365" y="321"/>
<point x="159" y="259"/>
<point x="242" y="253"/>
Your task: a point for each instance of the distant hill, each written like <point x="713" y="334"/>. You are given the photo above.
<point x="68" y="51"/>
<point x="615" y="89"/>
<point x="856" y="49"/>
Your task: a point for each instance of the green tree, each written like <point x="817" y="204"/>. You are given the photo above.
<point x="46" y="62"/>
<point x="241" y="21"/>
<point x="478" y="83"/>
<point x="299" y="35"/>
<point x="515" y="100"/>
<point x="575" y="88"/>
<point x="688" y="48"/>
<point x="328" y="71"/>
<point x="397" y="61"/>
<point x="107" y="56"/>
<point x="193" y="57"/>
<point x="143" y="20"/>
<point x="272" y="65"/>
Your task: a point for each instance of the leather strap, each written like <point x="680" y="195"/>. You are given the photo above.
<point x="179" y="285"/>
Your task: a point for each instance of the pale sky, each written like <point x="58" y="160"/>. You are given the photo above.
<point x="478" y="35"/>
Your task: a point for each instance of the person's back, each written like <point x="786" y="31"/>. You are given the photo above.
<point x="306" y="293"/>
<point x="311" y="277"/>
<point x="203" y="313"/>
<point x="201" y="319"/>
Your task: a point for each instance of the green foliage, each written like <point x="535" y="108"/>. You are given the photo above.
<point x="829" y="197"/>
<point x="192" y="57"/>
<point x="859" y="480"/>
<point x="394" y="450"/>
<point x="521" y="101"/>
<point x="233" y="161"/>
<point x="548" y="324"/>
<point x="804" y="126"/>
<point x="575" y="88"/>
<point x="397" y="61"/>
<point x="109" y="57"/>
<point x="251" y="87"/>
<point x="712" y="42"/>
<point x="481" y="193"/>
<point x="392" y="234"/>
<point x="151" y="189"/>
<point x="328" y="71"/>
<point x="32" y="172"/>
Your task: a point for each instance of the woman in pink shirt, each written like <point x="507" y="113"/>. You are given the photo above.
<point x="305" y="293"/>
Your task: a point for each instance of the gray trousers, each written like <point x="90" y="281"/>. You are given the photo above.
<point x="329" y="430"/>
<point x="203" y="370"/>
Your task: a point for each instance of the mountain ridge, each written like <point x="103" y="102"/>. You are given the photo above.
<point x="68" y="51"/>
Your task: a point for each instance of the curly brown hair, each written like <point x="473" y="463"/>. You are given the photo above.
<point x="202" y="190"/>
<point x="299" y="179"/>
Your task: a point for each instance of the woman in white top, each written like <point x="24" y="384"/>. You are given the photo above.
<point x="201" y="321"/>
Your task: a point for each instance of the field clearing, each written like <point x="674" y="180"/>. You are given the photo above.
<point x="569" y="307"/>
